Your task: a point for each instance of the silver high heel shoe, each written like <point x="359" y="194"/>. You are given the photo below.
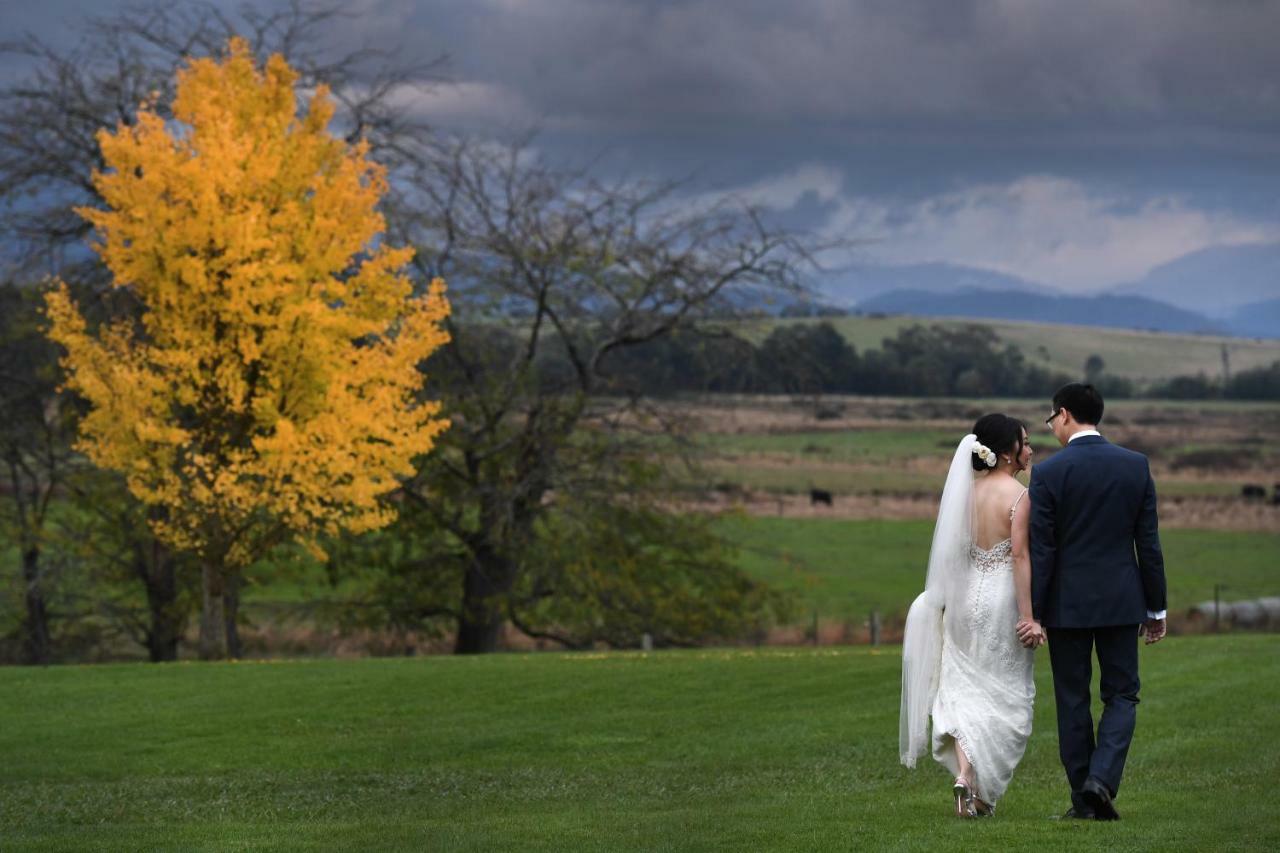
<point x="963" y="798"/>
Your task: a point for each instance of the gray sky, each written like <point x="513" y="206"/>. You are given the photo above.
<point x="1077" y="144"/>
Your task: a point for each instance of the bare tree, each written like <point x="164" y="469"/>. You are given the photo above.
<point x="551" y="273"/>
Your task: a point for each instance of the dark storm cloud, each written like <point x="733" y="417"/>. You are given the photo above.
<point x="1076" y="143"/>
<point x="929" y="65"/>
<point x="904" y="63"/>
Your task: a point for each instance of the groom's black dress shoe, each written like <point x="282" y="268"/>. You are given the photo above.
<point x="1096" y="795"/>
<point x="1074" y="813"/>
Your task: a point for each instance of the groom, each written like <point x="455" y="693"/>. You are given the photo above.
<point x="1097" y="583"/>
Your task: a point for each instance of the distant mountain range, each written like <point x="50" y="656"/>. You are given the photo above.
<point x="850" y="287"/>
<point x="1216" y="282"/>
<point x="1124" y="312"/>
<point x="1232" y="290"/>
<point x="1256" y="320"/>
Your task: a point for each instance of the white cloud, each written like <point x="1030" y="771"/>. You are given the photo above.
<point x="1042" y="228"/>
<point x="469" y="104"/>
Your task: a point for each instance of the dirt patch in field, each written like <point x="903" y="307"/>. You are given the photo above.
<point x="1202" y="457"/>
<point x="1150" y="425"/>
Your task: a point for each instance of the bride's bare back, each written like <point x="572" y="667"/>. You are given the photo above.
<point x="994" y="498"/>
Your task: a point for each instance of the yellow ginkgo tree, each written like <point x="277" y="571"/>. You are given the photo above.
<point x="269" y="387"/>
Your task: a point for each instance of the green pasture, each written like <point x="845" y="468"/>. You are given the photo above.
<point x="698" y="750"/>
<point x="842" y="568"/>
<point x="798" y="476"/>
<point x="845" y="445"/>
<point x="1137" y="354"/>
<point x="1131" y="353"/>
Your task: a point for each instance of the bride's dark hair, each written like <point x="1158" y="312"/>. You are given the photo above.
<point x="1001" y="434"/>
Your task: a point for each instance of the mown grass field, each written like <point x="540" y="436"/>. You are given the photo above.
<point x="842" y="568"/>
<point x="1130" y="353"/>
<point x="699" y="750"/>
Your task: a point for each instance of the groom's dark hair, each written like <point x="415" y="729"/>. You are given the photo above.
<point x="1081" y="400"/>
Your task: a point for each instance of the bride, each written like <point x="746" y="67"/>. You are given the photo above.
<point x="962" y="662"/>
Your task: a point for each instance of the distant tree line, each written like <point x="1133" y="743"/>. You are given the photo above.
<point x="1260" y="383"/>
<point x="810" y="358"/>
<point x="919" y="361"/>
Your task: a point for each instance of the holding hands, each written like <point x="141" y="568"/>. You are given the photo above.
<point x="1031" y="634"/>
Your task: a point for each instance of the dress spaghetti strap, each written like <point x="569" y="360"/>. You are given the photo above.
<point x="1014" y="508"/>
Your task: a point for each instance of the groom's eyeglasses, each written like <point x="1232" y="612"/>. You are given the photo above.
<point x="1049" y="420"/>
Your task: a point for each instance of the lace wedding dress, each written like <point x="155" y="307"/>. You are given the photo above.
<point x="986" y="689"/>
<point x="962" y="665"/>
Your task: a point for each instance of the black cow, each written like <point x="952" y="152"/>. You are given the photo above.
<point x="819" y="496"/>
<point x="1250" y="492"/>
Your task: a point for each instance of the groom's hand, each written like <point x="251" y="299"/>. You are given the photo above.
<point x="1030" y="634"/>
<point x="1153" y="629"/>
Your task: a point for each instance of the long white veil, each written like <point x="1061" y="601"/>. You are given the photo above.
<point x="922" y="637"/>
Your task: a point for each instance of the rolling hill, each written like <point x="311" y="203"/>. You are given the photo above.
<point x="1138" y="355"/>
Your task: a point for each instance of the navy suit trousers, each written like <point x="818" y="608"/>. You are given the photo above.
<point x="1071" y="655"/>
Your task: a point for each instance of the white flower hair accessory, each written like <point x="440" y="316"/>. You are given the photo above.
<point x="984" y="453"/>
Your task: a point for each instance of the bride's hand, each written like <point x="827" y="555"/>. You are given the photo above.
<point x="1030" y="633"/>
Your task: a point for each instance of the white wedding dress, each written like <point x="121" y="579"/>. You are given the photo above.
<point x="962" y="665"/>
<point x="986" y="689"/>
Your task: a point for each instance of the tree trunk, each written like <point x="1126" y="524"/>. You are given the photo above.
<point x="231" y="607"/>
<point x="484" y="588"/>
<point x="165" y="624"/>
<point x="212" y="618"/>
<point x="36" y="629"/>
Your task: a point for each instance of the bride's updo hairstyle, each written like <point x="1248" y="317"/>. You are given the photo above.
<point x="1000" y="434"/>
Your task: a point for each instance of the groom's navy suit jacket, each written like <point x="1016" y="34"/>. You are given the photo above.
<point x="1095" y="546"/>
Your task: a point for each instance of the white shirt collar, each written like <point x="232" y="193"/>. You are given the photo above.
<point x="1082" y="433"/>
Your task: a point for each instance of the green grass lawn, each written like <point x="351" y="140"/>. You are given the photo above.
<point x="843" y="568"/>
<point x="698" y="750"/>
